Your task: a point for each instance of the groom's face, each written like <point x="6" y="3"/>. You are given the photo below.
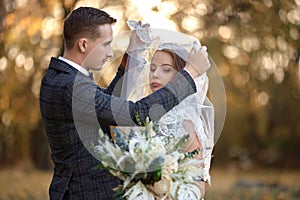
<point x="99" y="50"/>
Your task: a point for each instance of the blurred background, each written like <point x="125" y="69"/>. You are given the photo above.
<point x="255" y="45"/>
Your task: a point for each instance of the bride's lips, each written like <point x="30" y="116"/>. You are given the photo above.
<point x="156" y="85"/>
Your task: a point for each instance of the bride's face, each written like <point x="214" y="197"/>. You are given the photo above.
<point x="161" y="70"/>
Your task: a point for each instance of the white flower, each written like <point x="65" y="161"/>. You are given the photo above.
<point x="99" y="148"/>
<point x="188" y="192"/>
<point x="160" y="188"/>
<point x="189" y="169"/>
<point x="156" y="150"/>
<point x="139" y="192"/>
<point x="136" y="149"/>
<point x="149" y="129"/>
<point x="170" y="165"/>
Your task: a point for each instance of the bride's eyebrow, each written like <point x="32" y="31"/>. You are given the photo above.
<point x="108" y="42"/>
<point x="166" y="64"/>
<point x="161" y="64"/>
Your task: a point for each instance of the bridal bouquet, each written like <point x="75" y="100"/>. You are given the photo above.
<point x="149" y="165"/>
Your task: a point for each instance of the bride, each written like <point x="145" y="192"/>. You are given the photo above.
<point x="164" y="54"/>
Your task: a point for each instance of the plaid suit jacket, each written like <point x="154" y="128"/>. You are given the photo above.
<point x="72" y="107"/>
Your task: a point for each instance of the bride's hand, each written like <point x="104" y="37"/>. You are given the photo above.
<point x="198" y="62"/>
<point x="137" y="44"/>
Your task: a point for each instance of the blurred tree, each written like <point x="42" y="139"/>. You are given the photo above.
<point x="255" y="45"/>
<point x="32" y="34"/>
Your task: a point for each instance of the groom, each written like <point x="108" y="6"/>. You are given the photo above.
<point x="72" y="105"/>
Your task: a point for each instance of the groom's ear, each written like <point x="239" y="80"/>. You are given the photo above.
<point x="82" y="45"/>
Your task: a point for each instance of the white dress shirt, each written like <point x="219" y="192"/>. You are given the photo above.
<point x="76" y="66"/>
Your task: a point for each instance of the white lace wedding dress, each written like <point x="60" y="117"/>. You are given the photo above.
<point x="196" y="108"/>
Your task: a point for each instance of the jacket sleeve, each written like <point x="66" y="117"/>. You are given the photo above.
<point x="90" y="104"/>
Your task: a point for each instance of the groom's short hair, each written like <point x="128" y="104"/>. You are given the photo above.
<point x="84" y="22"/>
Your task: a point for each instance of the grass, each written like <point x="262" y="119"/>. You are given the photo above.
<point x="25" y="183"/>
<point x="259" y="184"/>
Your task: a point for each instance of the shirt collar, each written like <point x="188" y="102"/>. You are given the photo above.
<point x="76" y="66"/>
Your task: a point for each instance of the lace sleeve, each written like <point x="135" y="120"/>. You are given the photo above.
<point x="135" y="70"/>
<point x="137" y="66"/>
<point x="197" y="109"/>
<point x="202" y="87"/>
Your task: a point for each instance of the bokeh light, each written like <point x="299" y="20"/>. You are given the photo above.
<point x="230" y="51"/>
<point x="191" y="23"/>
<point x="3" y="63"/>
<point x="225" y="32"/>
<point x="262" y="99"/>
<point x="250" y="43"/>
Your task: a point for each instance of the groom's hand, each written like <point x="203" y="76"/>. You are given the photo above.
<point x="197" y="62"/>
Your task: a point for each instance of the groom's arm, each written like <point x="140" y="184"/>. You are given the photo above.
<point x="91" y="104"/>
<point x="115" y="111"/>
